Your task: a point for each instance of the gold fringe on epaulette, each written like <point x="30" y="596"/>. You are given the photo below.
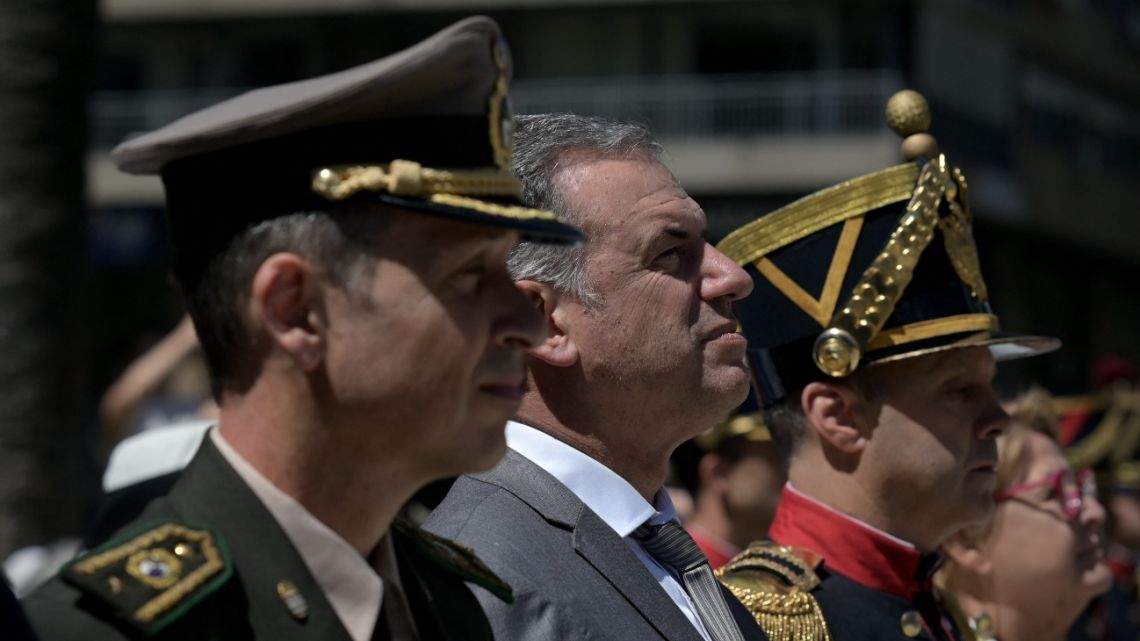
<point x="791" y="616"/>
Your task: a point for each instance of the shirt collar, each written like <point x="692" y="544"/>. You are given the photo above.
<point x="352" y="585"/>
<point x="605" y="492"/>
<point x="851" y="547"/>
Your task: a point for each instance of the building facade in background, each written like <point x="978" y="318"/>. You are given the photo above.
<point x="756" y="102"/>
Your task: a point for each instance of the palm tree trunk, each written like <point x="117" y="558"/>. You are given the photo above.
<point x="46" y="50"/>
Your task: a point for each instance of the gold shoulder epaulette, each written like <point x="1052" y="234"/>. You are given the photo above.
<point x="151" y="577"/>
<point x="775" y="582"/>
<point x="456" y="557"/>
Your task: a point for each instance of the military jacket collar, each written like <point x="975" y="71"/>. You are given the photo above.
<point x="851" y="547"/>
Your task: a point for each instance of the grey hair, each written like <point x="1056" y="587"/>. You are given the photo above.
<point x="542" y="145"/>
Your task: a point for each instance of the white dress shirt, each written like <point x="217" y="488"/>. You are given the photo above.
<point x="610" y="497"/>
<point x="353" y="585"/>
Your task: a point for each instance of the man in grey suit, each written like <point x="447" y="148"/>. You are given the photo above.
<point x="641" y="353"/>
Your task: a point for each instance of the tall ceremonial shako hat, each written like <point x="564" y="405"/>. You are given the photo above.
<point x="875" y="269"/>
<point x="427" y="129"/>
<point x="1101" y="429"/>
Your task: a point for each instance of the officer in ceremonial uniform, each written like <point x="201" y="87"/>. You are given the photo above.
<point x="873" y="348"/>
<point x="735" y="477"/>
<point x="1101" y="430"/>
<point x="341" y="242"/>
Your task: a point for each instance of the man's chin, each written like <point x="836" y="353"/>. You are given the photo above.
<point x="978" y="509"/>
<point x="485" y="454"/>
<point x="732" y="384"/>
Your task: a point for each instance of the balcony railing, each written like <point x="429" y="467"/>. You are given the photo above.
<point x="732" y="105"/>
<point x="674" y="106"/>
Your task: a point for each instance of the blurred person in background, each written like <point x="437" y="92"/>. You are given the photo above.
<point x="1101" y="429"/>
<point x="735" y="475"/>
<point x="168" y="384"/>
<point x="1028" y="573"/>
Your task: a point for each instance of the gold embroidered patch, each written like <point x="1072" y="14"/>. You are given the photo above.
<point x="456" y="557"/>
<point x="145" y="578"/>
<point x="774" y="583"/>
<point x="155" y="568"/>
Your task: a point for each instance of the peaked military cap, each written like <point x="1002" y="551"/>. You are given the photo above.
<point x="746" y="421"/>
<point x="427" y="128"/>
<point x="875" y="269"/>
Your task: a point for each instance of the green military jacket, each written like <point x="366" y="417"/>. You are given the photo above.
<point x="209" y="563"/>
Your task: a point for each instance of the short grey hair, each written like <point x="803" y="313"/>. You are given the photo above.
<point x="542" y="144"/>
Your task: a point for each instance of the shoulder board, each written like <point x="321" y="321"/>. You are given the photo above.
<point x="152" y="576"/>
<point x="775" y="582"/>
<point x="454" y="557"/>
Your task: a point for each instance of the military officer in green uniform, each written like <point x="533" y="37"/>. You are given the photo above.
<point x="341" y="243"/>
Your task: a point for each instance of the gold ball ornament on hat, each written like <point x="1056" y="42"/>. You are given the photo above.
<point x="908" y="115"/>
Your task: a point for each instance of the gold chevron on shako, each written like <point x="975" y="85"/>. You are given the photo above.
<point x="823" y="308"/>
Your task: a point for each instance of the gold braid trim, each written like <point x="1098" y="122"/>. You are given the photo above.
<point x="500" y="141"/>
<point x="785" y="617"/>
<point x="818" y="211"/>
<point x="96" y="562"/>
<point x="172" y="597"/>
<point x="484" y="207"/>
<point x="409" y="178"/>
<point x="944" y="326"/>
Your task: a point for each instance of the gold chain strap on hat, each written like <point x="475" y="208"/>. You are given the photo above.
<point x="411" y="179"/>
<point x="839" y="348"/>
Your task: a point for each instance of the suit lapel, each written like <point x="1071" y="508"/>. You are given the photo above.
<point x="610" y="555"/>
<point x="211" y="492"/>
<point x="597" y="543"/>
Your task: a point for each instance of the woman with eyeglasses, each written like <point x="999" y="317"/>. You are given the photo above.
<point x="1029" y="572"/>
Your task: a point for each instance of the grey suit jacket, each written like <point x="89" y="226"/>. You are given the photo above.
<point x="573" y="576"/>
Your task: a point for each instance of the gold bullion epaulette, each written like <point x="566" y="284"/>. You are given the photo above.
<point x="775" y="582"/>
<point x="455" y="557"/>
<point x="151" y="577"/>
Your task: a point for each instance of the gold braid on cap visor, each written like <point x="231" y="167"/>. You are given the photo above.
<point x="455" y="188"/>
<point x="853" y="329"/>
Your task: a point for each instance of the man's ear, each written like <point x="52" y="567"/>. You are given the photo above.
<point x="967" y="548"/>
<point x="286" y="302"/>
<point x="558" y="350"/>
<point x="833" y="412"/>
<point x="711" y="471"/>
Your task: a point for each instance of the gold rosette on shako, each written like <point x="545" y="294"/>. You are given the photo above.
<point x="875" y="269"/>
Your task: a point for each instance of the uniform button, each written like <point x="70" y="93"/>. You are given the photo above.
<point x="911" y="622"/>
<point x="294" y="602"/>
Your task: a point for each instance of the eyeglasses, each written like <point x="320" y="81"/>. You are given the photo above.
<point x="1072" y="488"/>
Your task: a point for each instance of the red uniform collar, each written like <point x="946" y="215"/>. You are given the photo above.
<point x="715" y="548"/>
<point x="852" y="548"/>
<point x="1122" y="563"/>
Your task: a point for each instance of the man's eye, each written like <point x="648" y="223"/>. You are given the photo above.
<point x="668" y="259"/>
